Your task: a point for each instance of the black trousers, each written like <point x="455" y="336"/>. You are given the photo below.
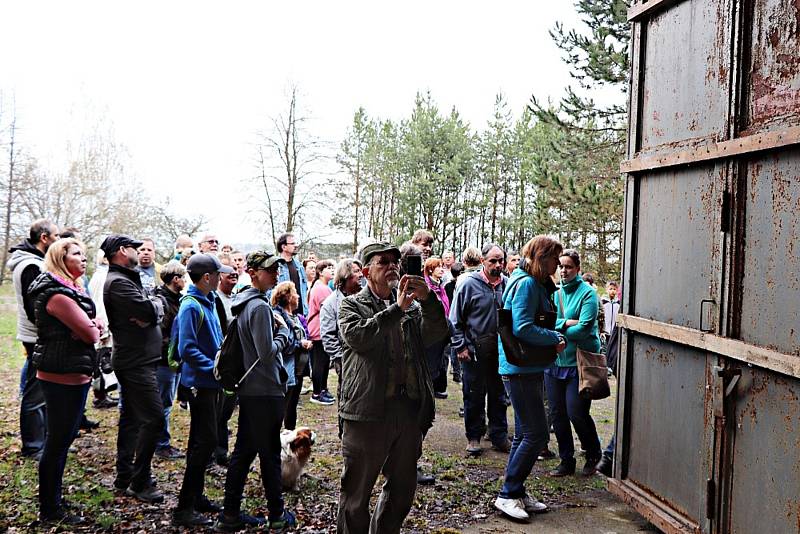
<point x="292" y="400"/>
<point x="226" y="404"/>
<point x="141" y="423"/>
<point x="260" y="420"/>
<point x="320" y="367"/>
<point x="202" y="441"/>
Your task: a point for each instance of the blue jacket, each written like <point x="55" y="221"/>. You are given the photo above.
<point x="473" y="311"/>
<point x="198" y="344"/>
<point x="283" y="276"/>
<point x="580" y="302"/>
<point x="525" y="297"/>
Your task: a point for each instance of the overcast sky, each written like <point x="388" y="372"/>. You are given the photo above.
<point x="187" y="84"/>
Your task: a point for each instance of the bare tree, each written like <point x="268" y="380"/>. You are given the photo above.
<point x="295" y="153"/>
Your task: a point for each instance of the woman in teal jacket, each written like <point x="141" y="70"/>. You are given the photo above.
<point x="527" y="294"/>
<point x="576" y="302"/>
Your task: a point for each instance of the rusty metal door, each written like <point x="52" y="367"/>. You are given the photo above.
<point x="708" y="413"/>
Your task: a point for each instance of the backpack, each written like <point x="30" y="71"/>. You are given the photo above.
<point x="229" y="368"/>
<point x="174" y="359"/>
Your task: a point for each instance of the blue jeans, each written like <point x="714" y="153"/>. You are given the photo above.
<point x="567" y="406"/>
<point x="32" y="410"/>
<point x="484" y="396"/>
<point x="530" y="431"/>
<point x="65" y="408"/>
<point x="167" y="387"/>
<point x="608" y="452"/>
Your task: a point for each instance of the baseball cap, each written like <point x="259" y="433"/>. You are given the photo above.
<point x="377" y="248"/>
<point x="112" y="243"/>
<point x="262" y="259"/>
<point x="206" y="263"/>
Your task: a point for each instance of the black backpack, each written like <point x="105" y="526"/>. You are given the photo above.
<point x="229" y="368"/>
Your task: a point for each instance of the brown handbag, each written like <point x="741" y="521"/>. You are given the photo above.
<point x="592" y="375"/>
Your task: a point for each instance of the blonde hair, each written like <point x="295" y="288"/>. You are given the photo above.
<point x="54" y="259"/>
<point x="282" y="293"/>
<point x="536" y="251"/>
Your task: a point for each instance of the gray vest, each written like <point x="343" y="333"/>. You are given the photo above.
<point x="26" y="330"/>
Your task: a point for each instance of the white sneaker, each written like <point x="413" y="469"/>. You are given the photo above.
<point x="512" y="508"/>
<point x="532" y="506"/>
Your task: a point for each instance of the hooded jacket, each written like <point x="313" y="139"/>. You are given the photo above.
<point x="198" y="343"/>
<point x="580" y="302"/>
<point x="125" y="299"/>
<point x="262" y="340"/>
<point x="26" y="263"/>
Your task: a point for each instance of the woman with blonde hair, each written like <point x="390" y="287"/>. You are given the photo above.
<point x="65" y="359"/>
<point x="527" y="295"/>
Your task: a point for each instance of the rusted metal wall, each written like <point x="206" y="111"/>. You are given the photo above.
<point x="709" y="400"/>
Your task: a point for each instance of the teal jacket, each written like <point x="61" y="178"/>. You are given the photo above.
<point x="525" y="297"/>
<point x="580" y="302"/>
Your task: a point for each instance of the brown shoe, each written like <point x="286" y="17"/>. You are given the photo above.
<point x="474" y="447"/>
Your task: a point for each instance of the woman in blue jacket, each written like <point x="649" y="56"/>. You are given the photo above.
<point x="577" y="320"/>
<point x="527" y="294"/>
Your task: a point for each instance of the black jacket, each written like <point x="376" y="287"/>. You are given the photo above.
<point x="125" y="299"/>
<point x="57" y="350"/>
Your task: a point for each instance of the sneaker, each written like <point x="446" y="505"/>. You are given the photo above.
<point x="532" y="506"/>
<point x="306" y="390"/>
<point x="423" y="479"/>
<point x="88" y="424"/>
<point x="590" y="467"/>
<point x="503" y="446"/>
<point x="546" y="454"/>
<point x="440" y="394"/>
<point x="62" y="518"/>
<point x="205" y="505"/>
<point x="101" y="404"/>
<point x="461" y="412"/>
<point x="512" y="508"/>
<point x="148" y="494"/>
<point x="121" y="486"/>
<point x="287" y="520"/>
<point x="168" y="453"/>
<point x="240" y="522"/>
<point x="474" y="447"/>
<point x="317" y="398"/>
<point x="189" y="518"/>
<point x="327" y="395"/>
<point x="562" y="470"/>
<point x="604" y="465"/>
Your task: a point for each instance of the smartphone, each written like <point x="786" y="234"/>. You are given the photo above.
<point x="414" y="265"/>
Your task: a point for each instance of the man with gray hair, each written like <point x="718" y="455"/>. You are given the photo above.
<point x="386" y="402"/>
<point x="473" y="313"/>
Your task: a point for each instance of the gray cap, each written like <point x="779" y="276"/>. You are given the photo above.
<point x="376" y="248"/>
<point x="206" y="263"/>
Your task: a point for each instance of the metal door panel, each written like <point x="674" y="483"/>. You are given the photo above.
<point x="774" y="67"/>
<point x="765" y="496"/>
<point x="678" y="227"/>
<point x="771" y="285"/>
<point x="686" y="81"/>
<point x="669" y="450"/>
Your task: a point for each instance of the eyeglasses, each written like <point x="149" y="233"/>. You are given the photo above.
<point x="291" y="244"/>
<point x="212" y="241"/>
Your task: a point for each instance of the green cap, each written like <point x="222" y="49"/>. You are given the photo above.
<point x="261" y="259"/>
<point x="376" y="248"/>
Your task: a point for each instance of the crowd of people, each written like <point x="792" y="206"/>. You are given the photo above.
<point x="390" y="322"/>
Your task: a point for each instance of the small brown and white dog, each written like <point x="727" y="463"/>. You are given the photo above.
<point x="295" y="451"/>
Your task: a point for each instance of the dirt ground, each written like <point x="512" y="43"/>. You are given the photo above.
<point x="460" y="501"/>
